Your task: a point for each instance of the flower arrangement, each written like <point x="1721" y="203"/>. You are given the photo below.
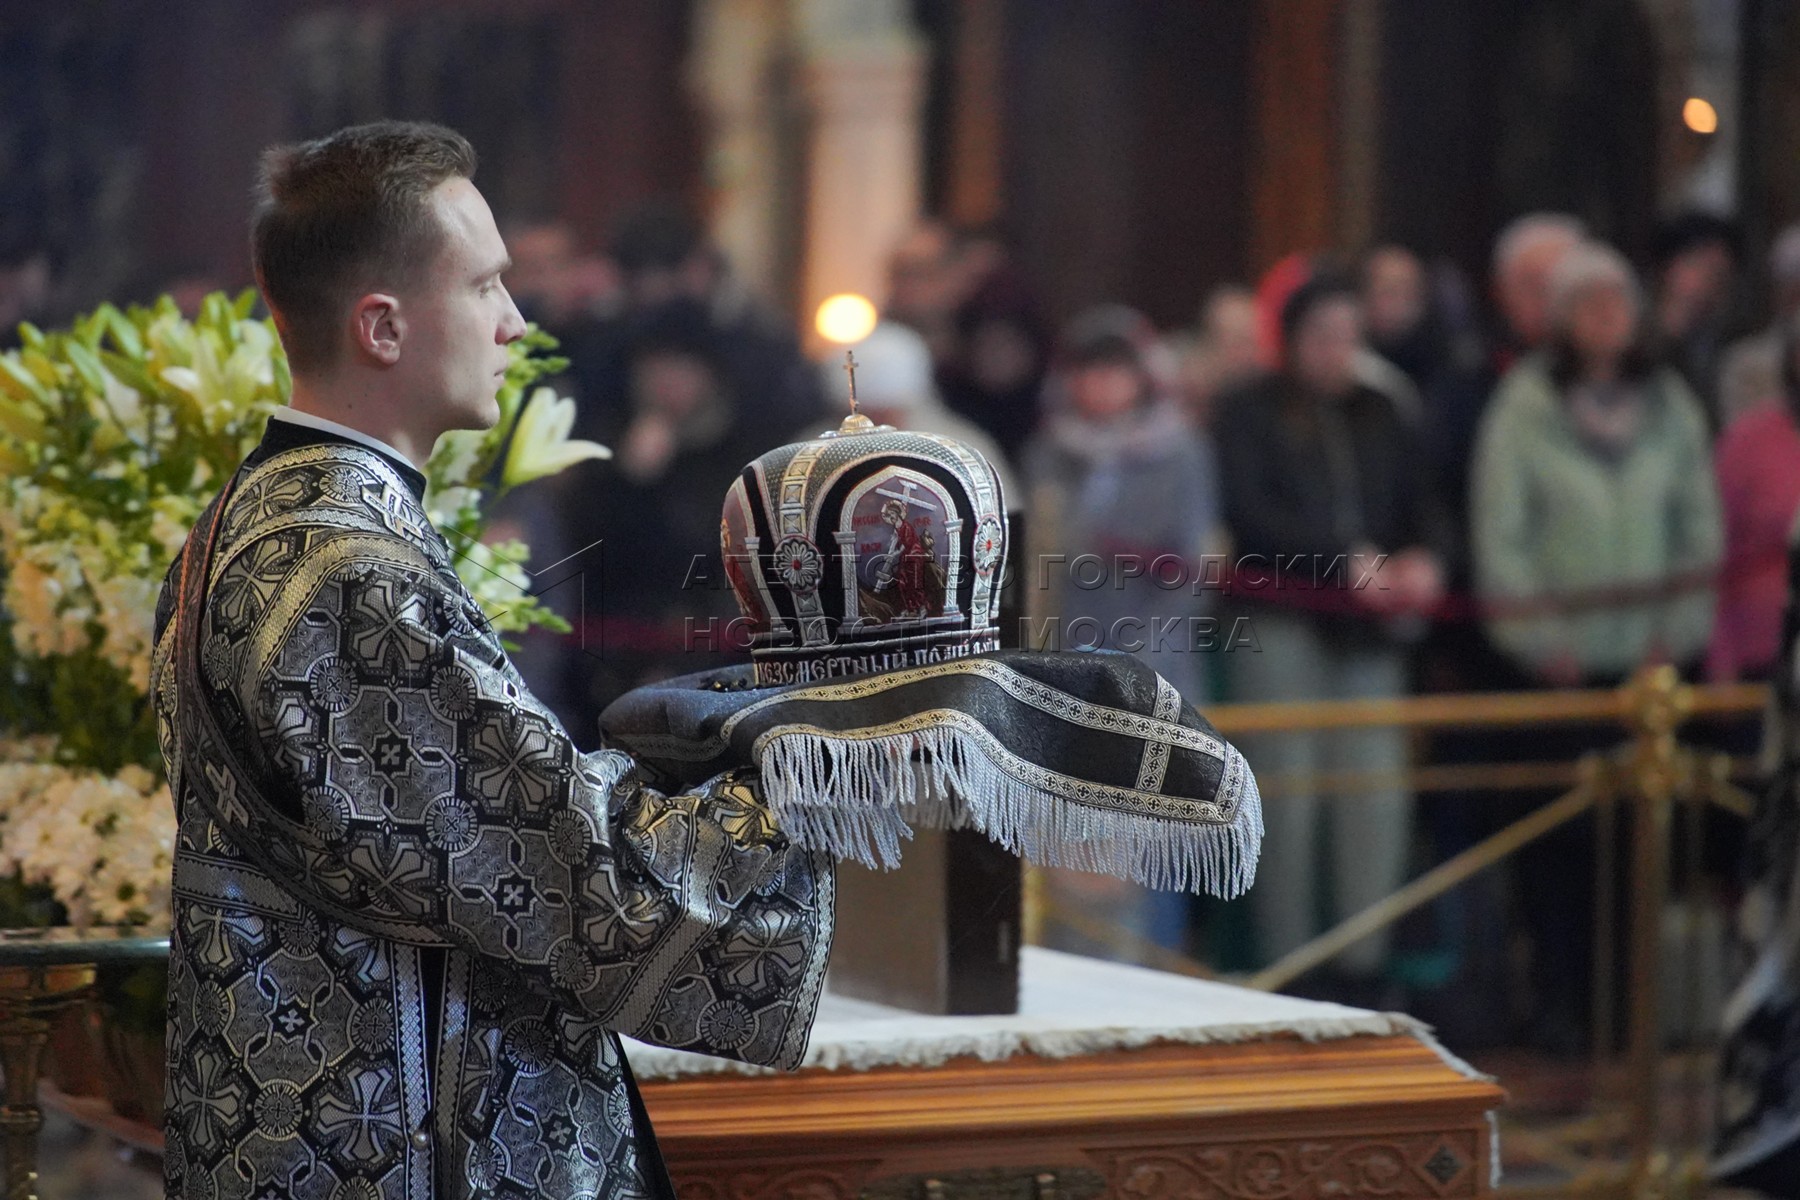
<point x="113" y="435"/>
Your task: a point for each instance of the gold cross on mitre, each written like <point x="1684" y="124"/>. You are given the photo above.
<point x="855" y="422"/>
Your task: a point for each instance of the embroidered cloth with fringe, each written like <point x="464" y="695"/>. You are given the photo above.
<point x="1084" y="760"/>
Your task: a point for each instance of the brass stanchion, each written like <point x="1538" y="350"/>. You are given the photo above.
<point x="1631" y="1154"/>
<point x="1655" y="704"/>
<point x="29" y="997"/>
<point x="1603" y="770"/>
<point x="1422" y="890"/>
<point x="42" y="972"/>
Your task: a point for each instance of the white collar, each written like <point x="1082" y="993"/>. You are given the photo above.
<point x="294" y="416"/>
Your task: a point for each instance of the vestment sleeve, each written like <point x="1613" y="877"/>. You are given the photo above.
<point x="419" y="789"/>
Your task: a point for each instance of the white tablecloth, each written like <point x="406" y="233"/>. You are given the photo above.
<point x="1068" y="1005"/>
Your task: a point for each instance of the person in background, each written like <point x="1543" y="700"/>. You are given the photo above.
<point x="1757" y="463"/>
<point x="1525" y="255"/>
<point x="1750" y="376"/>
<point x="1403" y="327"/>
<point x="1001" y="347"/>
<point x="672" y="463"/>
<point x="979" y="317"/>
<point x="927" y="283"/>
<point x="1591" y="473"/>
<point x="1595" y="528"/>
<point x="668" y="271"/>
<point x="1696" y="268"/>
<point x="1320" y="469"/>
<point x="687" y="377"/>
<point x="1475" y="993"/>
<point x="1120" y="492"/>
<point x="1222" y="355"/>
<point x="1525" y="258"/>
<point x="1116" y="472"/>
<point x="894" y="386"/>
<point x="1278" y="283"/>
<point x="560" y="285"/>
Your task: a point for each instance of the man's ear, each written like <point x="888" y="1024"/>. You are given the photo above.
<point x="377" y="328"/>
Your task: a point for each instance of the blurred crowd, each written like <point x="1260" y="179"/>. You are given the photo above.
<point x="1351" y="478"/>
<point x="1356" y="478"/>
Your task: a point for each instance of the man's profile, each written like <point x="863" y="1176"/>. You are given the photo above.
<point x="410" y="918"/>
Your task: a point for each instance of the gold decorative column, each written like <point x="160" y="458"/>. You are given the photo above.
<point x="864" y="71"/>
<point x="736" y="74"/>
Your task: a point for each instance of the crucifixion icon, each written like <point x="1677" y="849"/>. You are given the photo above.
<point x="906" y="498"/>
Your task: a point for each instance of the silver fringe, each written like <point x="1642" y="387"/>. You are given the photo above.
<point x="859" y="798"/>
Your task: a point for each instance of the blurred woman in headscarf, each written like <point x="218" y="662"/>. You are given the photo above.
<point x="1123" y="506"/>
<point x="1126" y="492"/>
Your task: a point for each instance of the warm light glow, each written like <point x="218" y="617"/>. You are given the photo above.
<point x="845" y="319"/>
<point x="1700" y="116"/>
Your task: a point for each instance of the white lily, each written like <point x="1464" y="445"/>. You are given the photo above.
<point x="454" y="457"/>
<point x="541" y="444"/>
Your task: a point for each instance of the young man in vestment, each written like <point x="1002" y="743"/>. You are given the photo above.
<point x="410" y="918"/>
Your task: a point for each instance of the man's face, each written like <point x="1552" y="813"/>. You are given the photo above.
<point x="1325" y="346"/>
<point x="1393" y="294"/>
<point x="1602" y="323"/>
<point x="921" y="274"/>
<point x="1106" y="390"/>
<point x="672" y="384"/>
<point x="1524" y="286"/>
<point x="1700" y="278"/>
<point x="459" y="317"/>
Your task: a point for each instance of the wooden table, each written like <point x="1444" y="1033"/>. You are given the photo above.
<point x="1259" y="1113"/>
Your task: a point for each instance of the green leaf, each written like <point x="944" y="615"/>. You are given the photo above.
<point x="17" y="382"/>
<point x="131" y="373"/>
<point x="215" y="313"/>
<point x="125" y="335"/>
<point x="21" y="425"/>
<point x="284" y="375"/>
<point x="87" y="366"/>
<point x="39" y="363"/>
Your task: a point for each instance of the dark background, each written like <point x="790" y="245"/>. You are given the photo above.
<point x="1148" y="150"/>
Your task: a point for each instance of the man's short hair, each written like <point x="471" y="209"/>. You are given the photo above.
<point x="1522" y="233"/>
<point x="1691" y="230"/>
<point x="342" y="212"/>
<point x="1328" y="283"/>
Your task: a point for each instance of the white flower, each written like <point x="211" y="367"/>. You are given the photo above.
<point x="127" y="407"/>
<point x="444" y="504"/>
<point x="102" y="844"/>
<point x="48" y="618"/>
<point x="185" y="378"/>
<point x="127" y="612"/>
<point x="540" y="442"/>
<point x="455" y="455"/>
